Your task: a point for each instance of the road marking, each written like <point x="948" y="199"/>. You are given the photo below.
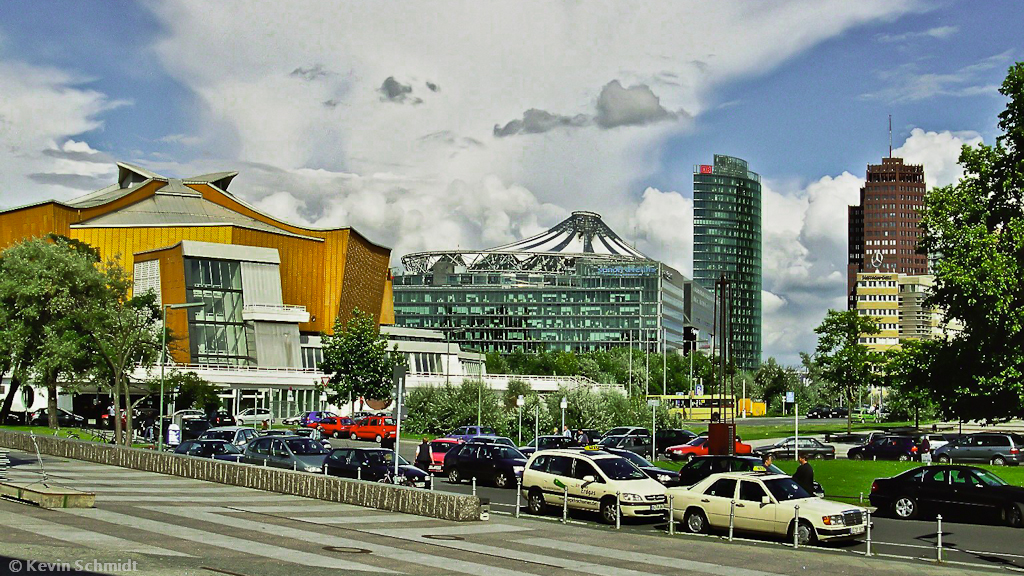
<point x="185" y="499"/>
<point x="75" y="535"/>
<point x="210" y="514"/>
<point x="263" y="549"/>
<point x="285" y="509"/>
<point x="416" y="535"/>
<point x="692" y="565"/>
<point x="453" y="530"/>
<point x="369" y="519"/>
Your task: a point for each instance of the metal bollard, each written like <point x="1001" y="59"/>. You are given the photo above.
<point x="671" y="517"/>
<point x="264" y="462"/>
<point x="732" y="517"/>
<point x="565" y="505"/>
<point x="474" y="485"/>
<point x="359" y="473"/>
<point x="618" y="510"/>
<point x="431" y="476"/>
<point x="796" y="526"/>
<point x="861" y="501"/>
<point x="325" y="468"/>
<point x="295" y="466"/>
<point x="938" y="540"/>
<point x="519" y="495"/>
<point x="867" y="529"/>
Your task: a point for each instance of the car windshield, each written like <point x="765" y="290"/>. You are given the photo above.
<point x="610" y="440"/>
<point x="989" y="478"/>
<point x="219" y="435"/>
<point x="635" y="458"/>
<point x="441" y="447"/>
<point x="485" y="431"/>
<point x="221" y="448"/>
<point x="617" y="431"/>
<point x="383" y="457"/>
<point x="619" y="469"/>
<point x="305" y="447"/>
<point x="786" y="489"/>
<point x="506" y="452"/>
<point x="697" y="442"/>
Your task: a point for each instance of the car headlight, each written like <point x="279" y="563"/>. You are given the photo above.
<point x="664" y="478"/>
<point x="627" y="497"/>
<point x="314" y="469"/>
<point x="518" y="469"/>
<point x="834" y="520"/>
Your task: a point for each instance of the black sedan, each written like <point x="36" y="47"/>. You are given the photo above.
<point x="548" y="443"/>
<point x="671" y="437"/>
<point x="65" y="419"/>
<point x="700" y="467"/>
<point x="819" y="412"/>
<point x="666" y="477"/>
<point x="963" y="491"/>
<point x="788" y="448"/>
<point x="902" y="448"/>
<point x="207" y="448"/>
<point x="373" y="464"/>
<point x="637" y="444"/>
<point x="495" y="463"/>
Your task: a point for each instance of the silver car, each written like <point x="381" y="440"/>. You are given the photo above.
<point x="237" y="435"/>
<point x="292" y="452"/>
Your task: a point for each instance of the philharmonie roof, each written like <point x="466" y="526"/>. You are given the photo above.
<point x="583" y="234"/>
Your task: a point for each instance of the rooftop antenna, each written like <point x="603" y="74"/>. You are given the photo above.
<point x="890" y="135"/>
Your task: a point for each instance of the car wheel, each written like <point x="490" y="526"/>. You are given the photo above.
<point x="696" y="522"/>
<point x="1015" y="516"/>
<point x="454" y="477"/>
<point x="535" y="502"/>
<point x="999" y="461"/>
<point x="352" y="436"/>
<point x="857" y="456"/>
<point x="337" y="434"/>
<point x="819" y="456"/>
<point x="689" y="457"/>
<point x="805" y="534"/>
<point x="609" y="511"/>
<point x="501" y="480"/>
<point x="905" y="508"/>
<point x="377" y="439"/>
<point x="944" y="458"/>
<point x="903" y="458"/>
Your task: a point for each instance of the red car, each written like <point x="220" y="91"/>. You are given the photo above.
<point x="375" y="428"/>
<point x="337" y="426"/>
<point x="699" y="447"/>
<point x="438" y="448"/>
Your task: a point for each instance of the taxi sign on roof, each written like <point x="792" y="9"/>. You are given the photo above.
<point x="760" y="469"/>
<point x="592" y="447"/>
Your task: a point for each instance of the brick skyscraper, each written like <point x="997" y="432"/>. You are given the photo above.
<point x="883" y="229"/>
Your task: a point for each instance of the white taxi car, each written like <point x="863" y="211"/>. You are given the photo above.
<point x="594" y="480"/>
<point x="765" y="504"/>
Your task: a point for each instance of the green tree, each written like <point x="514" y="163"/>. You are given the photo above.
<point x="976" y="227"/>
<point x="357" y="355"/>
<point x="192" y="391"/>
<point x="497" y="364"/>
<point x="846" y="363"/>
<point x="43" y="284"/>
<point x="124" y="332"/>
<point x="909" y="370"/>
<point x="772" y="381"/>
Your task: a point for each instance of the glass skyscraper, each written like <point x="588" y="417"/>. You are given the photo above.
<point x="727" y="240"/>
<point x="576" y="287"/>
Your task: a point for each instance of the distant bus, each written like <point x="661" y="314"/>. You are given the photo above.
<point x="698" y="407"/>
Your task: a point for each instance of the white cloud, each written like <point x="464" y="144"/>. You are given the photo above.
<point x="41" y="111"/>
<point x="303" y="93"/>
<point x="937" y="33"/>
<point x="664" y="224"/>
<point x="938" y="152"/>
<point x="907" y="83"/>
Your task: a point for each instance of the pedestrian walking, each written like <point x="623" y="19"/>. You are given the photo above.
<point x="566" y="432"/>
<point x="582" y="439"/>
<point x="925" y="450"/>
<point x="804" y="475"/>
<point x="423" y="458"/>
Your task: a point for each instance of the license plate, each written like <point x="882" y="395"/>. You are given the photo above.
<point x="659" y="506"/>
<point x="857" y="530"/>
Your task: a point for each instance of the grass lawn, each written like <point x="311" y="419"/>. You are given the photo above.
<point x="755" y="432"/>
<point x="844" y="480"/>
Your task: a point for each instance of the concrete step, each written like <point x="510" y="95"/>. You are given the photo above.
<point x="46" y="496"/>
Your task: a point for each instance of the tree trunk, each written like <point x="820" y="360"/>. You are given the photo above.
<point x="129" y="427"/>
<point x="51" y="402"/>
<point x="117" y="413"/>
<point x="11" y="394"/>
<point x="849" y="413"/>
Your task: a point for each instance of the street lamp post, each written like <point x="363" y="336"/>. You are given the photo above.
<point x="519" y="404"/>
<point x="563" y="405"/>
<point x="163" y="360"/>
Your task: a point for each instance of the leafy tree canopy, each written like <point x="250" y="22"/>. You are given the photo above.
<point x="357" y="355"/>
<point x="844" y="362"/>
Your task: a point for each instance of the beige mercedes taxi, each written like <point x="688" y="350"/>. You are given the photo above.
<point x="594" y="480"/>
<point x="765" y="504"/>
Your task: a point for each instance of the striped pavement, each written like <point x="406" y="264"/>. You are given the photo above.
<point x="181" y="525"/>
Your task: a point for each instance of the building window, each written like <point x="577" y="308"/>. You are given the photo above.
<point x="217" y="334"/>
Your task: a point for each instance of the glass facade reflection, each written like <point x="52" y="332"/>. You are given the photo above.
<point x="217" y="334"/>
<point x="590" y="305"/>
<point x="727" y="240"/>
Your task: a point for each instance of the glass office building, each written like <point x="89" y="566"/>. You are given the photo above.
<point x="576" y="287"/>
<point x="727" y="240"/>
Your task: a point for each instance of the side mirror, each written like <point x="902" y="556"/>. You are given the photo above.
<point x="589" y="480"/>
<point x="766" y="500"/>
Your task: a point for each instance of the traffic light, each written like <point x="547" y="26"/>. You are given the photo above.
<point x="689" y="339"/>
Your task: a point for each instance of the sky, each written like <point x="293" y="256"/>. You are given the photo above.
<point x="442" y="124"/>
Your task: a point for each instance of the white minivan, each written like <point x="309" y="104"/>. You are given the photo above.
<point x="254" y="417"/>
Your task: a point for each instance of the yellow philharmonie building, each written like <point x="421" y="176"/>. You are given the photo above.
<point x="269" y="288"/>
